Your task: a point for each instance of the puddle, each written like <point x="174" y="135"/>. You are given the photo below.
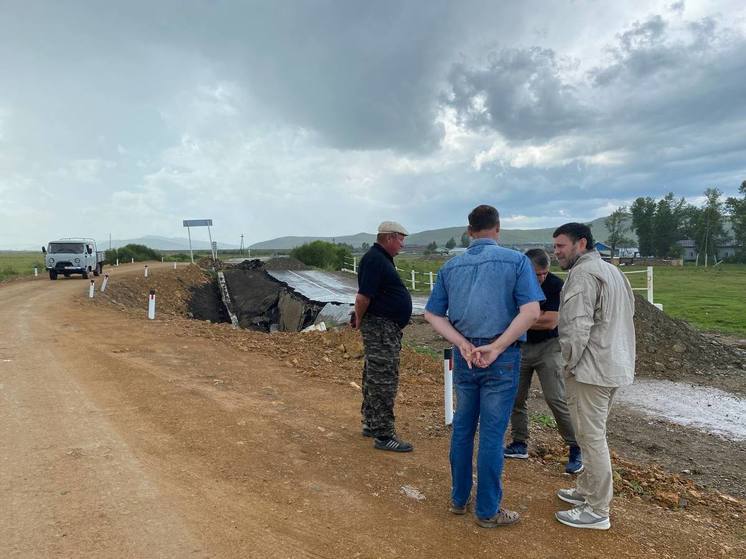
<point x="707" y="409"/>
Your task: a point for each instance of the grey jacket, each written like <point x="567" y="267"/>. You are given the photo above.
<point x="596" y="330"/>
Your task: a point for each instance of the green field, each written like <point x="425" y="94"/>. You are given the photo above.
<point x="14" y="264"/>
<point x="711" y="298"/>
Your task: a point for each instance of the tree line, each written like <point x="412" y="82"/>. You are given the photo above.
<point x="659" y="224"/>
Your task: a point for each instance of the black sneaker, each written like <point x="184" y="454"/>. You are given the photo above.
<point x="575" y="462"/>
<point x="393" y="444"/>
<point x="516" y="449"/>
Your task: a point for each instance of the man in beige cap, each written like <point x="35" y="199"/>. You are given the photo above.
<point x="383" y="308"/>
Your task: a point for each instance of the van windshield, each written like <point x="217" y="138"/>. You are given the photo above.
<point x="74" y="248"/>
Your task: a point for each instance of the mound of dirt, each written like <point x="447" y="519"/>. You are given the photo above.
<point x="173" y="289"/>
<point x="285" y="263"/>
<point x="672" y="349"/>
<point x="253" y="264"/>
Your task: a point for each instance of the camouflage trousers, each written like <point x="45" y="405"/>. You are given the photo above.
<point x="382" y="343"/>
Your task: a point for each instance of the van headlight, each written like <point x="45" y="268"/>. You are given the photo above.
<point x="77" y="260"/>
<point x="51" y="261"/>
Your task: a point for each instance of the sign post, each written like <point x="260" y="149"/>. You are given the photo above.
<point x="188" y="223"/>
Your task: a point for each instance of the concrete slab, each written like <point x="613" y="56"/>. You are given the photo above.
<point x="328" y="287"/>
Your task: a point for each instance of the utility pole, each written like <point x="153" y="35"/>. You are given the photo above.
<point x="240" y="250"/>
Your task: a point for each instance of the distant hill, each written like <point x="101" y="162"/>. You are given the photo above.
<point x="163" y="243"/>
<point x="508" y="237"/>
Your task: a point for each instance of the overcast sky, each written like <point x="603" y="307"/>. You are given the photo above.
<point x="326" y="117"/>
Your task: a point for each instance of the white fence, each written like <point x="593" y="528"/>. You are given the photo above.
<point x="414" y="278"/>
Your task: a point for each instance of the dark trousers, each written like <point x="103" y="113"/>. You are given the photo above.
<point x="382" y="343"/>
<point x="546" y="359"/>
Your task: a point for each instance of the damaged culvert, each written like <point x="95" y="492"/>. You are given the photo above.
<point x="259" y="301"/>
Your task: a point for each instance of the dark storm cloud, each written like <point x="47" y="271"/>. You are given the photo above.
<point x="667" y="111"/>
<point x="520" y="93"/>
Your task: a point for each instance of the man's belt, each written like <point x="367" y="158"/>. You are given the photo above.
<point x="484" y="341"/>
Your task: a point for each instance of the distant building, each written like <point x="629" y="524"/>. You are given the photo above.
<point x="689" y="252"/>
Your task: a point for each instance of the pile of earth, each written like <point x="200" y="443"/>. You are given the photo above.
<point x="173" y="289"/>
<point x="284" y="263"/>
<point x="672" y="349"/>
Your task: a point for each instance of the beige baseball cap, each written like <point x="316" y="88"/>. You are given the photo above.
<point x="392" y="227"/>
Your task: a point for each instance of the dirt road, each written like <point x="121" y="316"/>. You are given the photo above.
<point x="123" y="437"/>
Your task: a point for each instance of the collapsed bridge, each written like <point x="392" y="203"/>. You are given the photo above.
<point x="281" y="294"/>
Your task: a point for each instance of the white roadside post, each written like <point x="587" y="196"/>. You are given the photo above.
<point x="174" y="265"/>
<point x="448" y="385"/>
<point x="413" y="284"/>
<point x="162" y="260"/>
<point x="106" y="281"/>
<point x="650" y="284"/>
<point x="146" y="270"/>
<point x="117" y="263"/>
<point x="151" y="305"/>
<point x="91" y="289"/>
<point x="354" y="265"/>
<point x="133" y="261"/>
<point x="36" y="272"/>
<point x="431" y="281"/>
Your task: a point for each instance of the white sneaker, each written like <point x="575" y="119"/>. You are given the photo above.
<point x="583" y="516"/>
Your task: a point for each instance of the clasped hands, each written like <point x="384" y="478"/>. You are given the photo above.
<point x="481" y="357"/>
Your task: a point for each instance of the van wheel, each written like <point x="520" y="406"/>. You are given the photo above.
<point x="85" y="275"/>
<point x="53" y="274"/>
<point x="97" y="270"/>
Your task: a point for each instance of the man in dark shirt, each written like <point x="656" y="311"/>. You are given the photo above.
<point x="383" y="307"/>
<point x="541" y="353"/>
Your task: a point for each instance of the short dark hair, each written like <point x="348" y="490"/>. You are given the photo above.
<point x="539" y="257"/>
<point x="483" y="217"/>
<point x="576" y="231"/>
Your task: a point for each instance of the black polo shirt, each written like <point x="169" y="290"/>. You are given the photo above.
<point x="551" y="287"/>
<point x="378" y="279"/>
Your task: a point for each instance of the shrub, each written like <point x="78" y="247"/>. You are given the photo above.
<point x="322" y="254"/>
<point x="139" y="252"/>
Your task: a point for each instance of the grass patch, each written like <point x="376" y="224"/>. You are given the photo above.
<point x="424" y="350"/>
<point x="710" y="298"/>
<point x="15" y="264"/>
<point x="544" y="419"/>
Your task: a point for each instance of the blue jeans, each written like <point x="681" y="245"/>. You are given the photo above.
<point x="484" y="397"/>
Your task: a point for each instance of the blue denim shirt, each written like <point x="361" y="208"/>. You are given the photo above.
<point x="481" y="290"/>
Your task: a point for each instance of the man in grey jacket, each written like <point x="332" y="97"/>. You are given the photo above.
<point x="597" y="338"/>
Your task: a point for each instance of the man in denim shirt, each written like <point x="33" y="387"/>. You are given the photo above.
<point x="483" y="302"/>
